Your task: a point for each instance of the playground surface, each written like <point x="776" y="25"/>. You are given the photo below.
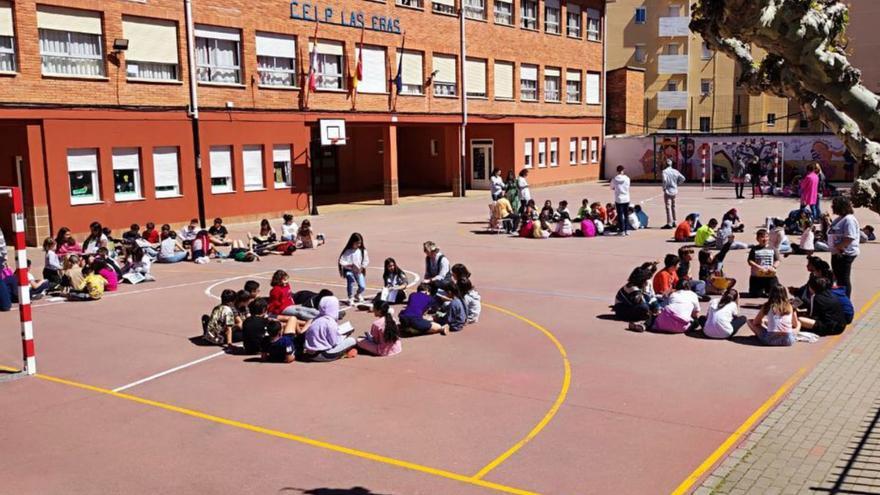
<point x="543" y="395"/>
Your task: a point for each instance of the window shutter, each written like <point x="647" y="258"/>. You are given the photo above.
<point x="165" y="167"/>
<point x="328" y="48"/>
<point x="374" y="71"/>
<point x="476" y="76"/>
<point x="6" y="19"/>
<point x="281" y="153"/>
<point x="412" y="67"/>
<point x="592" y="91"/>
<point x="217" y="32"/>
<point x="551" y="72"/>
<point x="573" y="75"/>
<point x="150" y="40"/>
<point x="573" y="9"/>
<point x="82" y="160"/>
<point x="528" y="72"/>
<point x="503" y="80"/>
<point x="252" y="158"/>
<point x="276" y="45"/>
<point x="450" y="3"/>
<point x="126" y="159"/>
<point x="445" y="67"/>
<point x="61" y="19"/>
<point x="552" y="4"/>
<point x="221" y="161"/>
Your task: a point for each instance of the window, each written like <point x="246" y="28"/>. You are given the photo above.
<point x="584" y="149"/>
<point x="503" y="80"/>
<point x="165" y="167"/>
<point x="542" y="153"/>
<point x="7" y="45"/>
<point x="82" y="169"/>
<point x="705" y="124"/>
<point x="551" y="16"/>
<point x="252" y="159"/>
<point x="672" y="123"/>
<point x="705" y="87"/>
<point x="218" y="58"/>
<point x="126" y="174"/>
<point x="444" y="80"/>
<point x="70" y="42"/>
<point x="527" y="153"/>
<point x="573" y="20"/>
<point x="281" y="166"/>
<point x="672" y="48"/>
<point x="641" y="15"/>
<point x="503" y="12"/>
<point x="771" y="120"/>
<point x="551" y="84"/>
<point x="554" y="152"/>
<point x="375" y="80"/>
<point x="221" y="169"/>
<point x="674" y="10"/>
<point x="593" y="92"/>
<point x="640" y="55"/>
<point x="572" y="151"/>
<point x="573" y="86"/>
<point x="417" y="4"/>
<point x="443" y="7"/>
<point x="475" y="9"/>
<point x="411" y="72"/>
<point x="152" y="49"/>
<point x="528" y="82"/>
<point x="276" y="60"/>
<point x="672" y="86"/>
<point x="594" y="150"/>
<point x="528" y="14"/>
<point x="329" y="72"/>
<point x="594" y="25"/>
<point x="706" y="51"/>
<point x="475" y="69"/>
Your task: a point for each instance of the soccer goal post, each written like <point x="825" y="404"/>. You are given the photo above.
<point x="11" y="197"/>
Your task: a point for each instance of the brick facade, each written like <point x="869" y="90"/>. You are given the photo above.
<point x="626" y="105"/>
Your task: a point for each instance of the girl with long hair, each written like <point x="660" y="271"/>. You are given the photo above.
<point x="65" y="243"/>
<point x="353" y="262"/>
<point x="280" y="297"/>
<point x="384" y="336"/>
<point x="395" y="282"/>
<point x="781" y="326"/>
<point x="723" y="320"/>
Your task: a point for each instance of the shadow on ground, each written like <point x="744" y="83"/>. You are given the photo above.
<point x="355" y="490"/>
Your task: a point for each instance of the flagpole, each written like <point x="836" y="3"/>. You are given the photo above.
<point x="464" y="108"/>
<point x="398" y="80"/>
<point x="312" y="64"/>
<point x="359" y="67"/>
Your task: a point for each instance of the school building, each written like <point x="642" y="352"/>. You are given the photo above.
<point x="160" y="110"/>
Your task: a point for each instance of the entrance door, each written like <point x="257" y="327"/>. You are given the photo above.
<point x="325" y="168"/>
<point x="482" y="163"/>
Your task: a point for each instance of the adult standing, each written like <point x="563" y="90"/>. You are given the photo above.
<point x="672" y="178"/>
<point x="843" y="241"/>
<point x="821" y="188"/>
<point x="497" y="185"/>
<point x="620" y="185"/>
<point x="810" y="191"/>
<point x="522" y="185"/>
<point x="511" y="192"/>
<point x="755" y="173"/>
<point x="739" y="178"/>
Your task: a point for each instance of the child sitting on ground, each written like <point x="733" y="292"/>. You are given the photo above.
<point x="384" y="336"/>
<point x="684" y="229"/>
<point x="412" y="318"/>
<point x="455" y="316"/>
<point x="242" y="253"/>
<point x="255" y="327"/>
<point x="305" y="236"/>
<point x="723" y="320"/>
<point x="705" y="235"/>
<point x="666" y="279"/>
<point x="280" y="297"/>
<point x="394" y="281"/>
<point x="867" y="234"/>
<point x="288" y="228"/>
<point x="610" y="215"/>
<point x="222" y="327"/>
<point x="217" y="233"/>
<point x="547" y="210"/>
<point x="92" y="286"/>
<point x="642" y="216"/>
<point x="712" y="269"/>
<point x="588" y="227"/>
<point x="323" y="342"/>
<point x="53" y="267"/>
<point x="101" y="267"/>
<point x="632" y="219"/>
<point x="778" y="240"/>
<point x="781" y="326"/>
<point x="583" y="211"/>
<point x="72" y="278"/>
<point x="632" y="302"/>
<point x="563" y="221"/>
<point x="471" y="298"/>
<point x="37" y="287"/>
<point x="277" y="346"/>
<point x="681" y="311"/>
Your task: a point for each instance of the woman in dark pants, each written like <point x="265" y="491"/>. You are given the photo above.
<point x="843" y="241"/>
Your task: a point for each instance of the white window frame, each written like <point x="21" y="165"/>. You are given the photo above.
<point x="585" y="149"/>
<point x="247" y="153"/>
<point x="475" y="9"/>
<point x="413" y="4"/>
<point x="122" y="161"/>
<point x="594" y="25"/>
<point x="640" y="53"/>
<point x="643" y="19"/>
<point x="410" y="88"/>
<point x="705" y="87"/>
<point x="91" y="155"/>
<point x="573" y="97"/>
<point x="167" y="190"/>
<point x="594" y="150"/>
<point x="503" y="17"/>
<point x="671" y="123"/>
<point x="706" y="53"/>
<point x="573" y="29"/>
<point x="528" y="153"/>
<point x="554" y="152"/>
<point x="443" y="88"/>
<point x="708" y="126"/>
<point x="282" y="159"/>
<point x="97" y="59"/>
<point x="8" y="52"/>
<point x="593" y="96"/>
<point x="771" y="120"/>
<point x="542" y="153"/>
<point x="321" y="77"/>
<point x="572" y="151"/>
<point x="273" y="68"/>
<point x="206" y="71"/>
<point x="548" y="91"/>
<point x="151" y="68"/>
<point x="445" y="8"/>
<point x="522" y="84"/>
<point x="552" y="27"/>
<point x="529" y="22"/>
<point x="221" y="184"/>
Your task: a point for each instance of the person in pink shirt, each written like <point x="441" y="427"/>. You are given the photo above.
<point x="810" y="191"/>
<point x="384" y="336"/>
<point x="103" y="269"/>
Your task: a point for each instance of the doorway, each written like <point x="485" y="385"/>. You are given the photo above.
<point x="325" y="167"/>
<point x="482" y="163"/>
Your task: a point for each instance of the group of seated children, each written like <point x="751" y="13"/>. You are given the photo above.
<point x="592" y="219"/>
<point x="305" y="325"/>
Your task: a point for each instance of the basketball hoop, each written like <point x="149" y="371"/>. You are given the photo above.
<point x="332" y="132"/>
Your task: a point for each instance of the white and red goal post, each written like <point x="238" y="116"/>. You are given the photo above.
<point x="24" y="291"/>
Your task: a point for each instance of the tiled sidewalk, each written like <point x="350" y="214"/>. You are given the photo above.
<point x="824" y="438"/>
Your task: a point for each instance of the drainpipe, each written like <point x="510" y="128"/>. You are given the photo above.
<point x="464" y="109"/>
<point x="194" y="108"/>
<point x="604" y="38"/>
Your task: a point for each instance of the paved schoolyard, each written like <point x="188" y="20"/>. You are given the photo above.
<point x="543" y="395"/>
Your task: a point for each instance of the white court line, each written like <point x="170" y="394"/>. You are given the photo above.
<point x="168" y="372"/>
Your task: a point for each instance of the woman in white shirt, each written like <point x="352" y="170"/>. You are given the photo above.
<point x="723" y="319"/>
<point x="497" y="185"/>
<point x="353" y="262"/>
<point x="522" y="185"/>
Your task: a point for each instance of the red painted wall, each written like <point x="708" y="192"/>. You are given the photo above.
<point x="417" y="168"/>
<point x="360" y="163"/>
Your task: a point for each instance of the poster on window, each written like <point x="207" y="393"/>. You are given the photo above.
<point x="81" y="186"/>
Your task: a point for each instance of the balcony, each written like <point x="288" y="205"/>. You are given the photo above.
<point x="672" y="100"/>
<point x="675" y="26"/>
<point x="672" y="64"/>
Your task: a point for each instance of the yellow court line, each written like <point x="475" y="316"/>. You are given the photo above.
<point x="289" y="436"/>
<point x="744" y="428"/>
<point x="560" y="398"/>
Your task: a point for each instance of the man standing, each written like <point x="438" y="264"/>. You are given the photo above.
<point x="620" y="185"/>
<point x="671" y="180"/>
